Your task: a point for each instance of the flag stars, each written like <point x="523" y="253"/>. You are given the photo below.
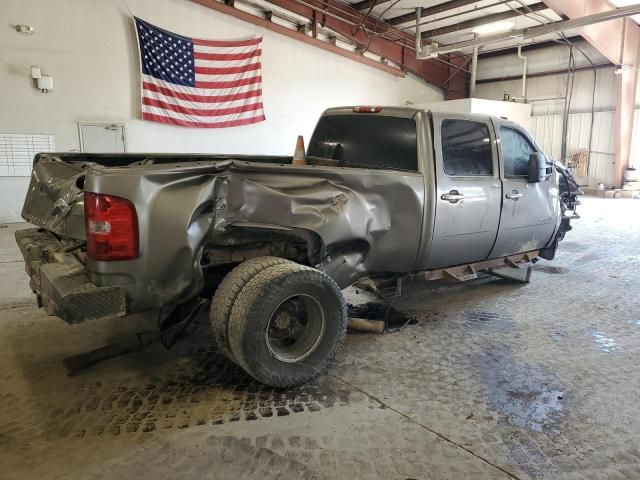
<point x="165" y="56"/>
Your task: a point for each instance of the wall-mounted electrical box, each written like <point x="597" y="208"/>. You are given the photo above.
<point x="45" y="83"/>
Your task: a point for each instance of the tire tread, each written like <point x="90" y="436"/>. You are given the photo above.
<point x="240" y="322"/>
<point x="228" y="291"/>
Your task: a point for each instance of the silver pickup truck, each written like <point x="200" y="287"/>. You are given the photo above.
<point x="386" y="192"/>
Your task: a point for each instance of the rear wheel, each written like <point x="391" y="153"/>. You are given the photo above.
<point x="227" y="292"/>
<point x="287" y="324"/>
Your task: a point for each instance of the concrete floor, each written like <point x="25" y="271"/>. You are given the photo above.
<point x="494" y="381"/>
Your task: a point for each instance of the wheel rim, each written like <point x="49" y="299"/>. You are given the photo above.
<point x="295" y="328"/>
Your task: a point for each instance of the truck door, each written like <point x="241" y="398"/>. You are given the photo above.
<point x="529" y="210"/>
<point x="468" y="190"/>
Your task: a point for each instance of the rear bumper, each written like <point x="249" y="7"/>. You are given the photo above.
<point x="61" y="283"/>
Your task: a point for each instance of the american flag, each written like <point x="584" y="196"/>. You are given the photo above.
<point x="199" y="83"/>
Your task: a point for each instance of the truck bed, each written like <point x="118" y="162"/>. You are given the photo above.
<point x="195" y="212"/>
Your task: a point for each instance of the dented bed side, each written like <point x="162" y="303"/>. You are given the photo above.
<point x="352" y="221"/>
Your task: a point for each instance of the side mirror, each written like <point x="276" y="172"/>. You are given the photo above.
<point x="539" y="171"/>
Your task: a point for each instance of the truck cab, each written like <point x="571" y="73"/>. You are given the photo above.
<point x="484" y="194"/>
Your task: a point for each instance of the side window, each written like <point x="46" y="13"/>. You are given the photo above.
<point x="516" y="149"/>
<point x="466" y="148"/>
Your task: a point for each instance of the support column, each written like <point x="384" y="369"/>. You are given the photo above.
<point x="626" y="84"/>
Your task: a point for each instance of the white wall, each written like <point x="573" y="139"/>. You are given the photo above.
<point x="88" y="46"/>
<point x="12" y="193"/>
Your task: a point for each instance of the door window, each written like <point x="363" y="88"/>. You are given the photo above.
<point x="466" y="148"/>
<point x="516" y="149"/>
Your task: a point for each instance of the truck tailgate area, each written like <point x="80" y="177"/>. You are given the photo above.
<point x="61" y="283"/>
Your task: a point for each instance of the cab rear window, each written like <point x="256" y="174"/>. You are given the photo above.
<point x="366" y="141"/>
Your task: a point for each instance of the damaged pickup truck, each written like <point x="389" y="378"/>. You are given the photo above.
<point x="385" y="193"/>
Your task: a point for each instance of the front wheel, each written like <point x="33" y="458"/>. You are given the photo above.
<point x="286" y="324"/>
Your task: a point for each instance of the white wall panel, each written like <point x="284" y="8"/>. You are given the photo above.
<point x="547" y="130"/>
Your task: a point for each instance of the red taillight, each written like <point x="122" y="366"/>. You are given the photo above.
<point x="365" y="109"/>
<point x="112" y="227"/>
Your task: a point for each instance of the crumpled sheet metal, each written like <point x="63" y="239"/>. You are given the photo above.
<point x="54" y="199"/>
<point x="368" y="221"/>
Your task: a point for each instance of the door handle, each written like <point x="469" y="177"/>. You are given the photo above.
<point x="452" y="197"/>
<point x="514" y="195"/>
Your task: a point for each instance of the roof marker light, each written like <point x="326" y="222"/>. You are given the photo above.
<point x="366" y="109"/>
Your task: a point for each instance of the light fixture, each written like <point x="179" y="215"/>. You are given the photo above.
<point x="618" y="71"/>
<point x="495" y="27"/>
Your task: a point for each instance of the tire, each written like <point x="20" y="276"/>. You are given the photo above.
<point x="276" y="305"/>
<point x="226" y="294"/>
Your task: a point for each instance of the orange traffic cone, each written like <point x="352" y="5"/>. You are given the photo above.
<point x="299" y="157"/>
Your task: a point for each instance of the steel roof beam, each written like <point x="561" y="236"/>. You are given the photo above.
<point x="527" y="48"/>
<point x="549" y="73"/>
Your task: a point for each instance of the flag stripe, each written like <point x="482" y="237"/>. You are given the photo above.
<point x="231" y="77"/>
<point x="226" y="56"/>
<point x="229" y="50"/>
<point x="227" y="43"/>
<point x="202" y="105"/>
<point x="212" y="112"/>
<point x="200" y="118"/>
<point x="150" y="88"/>
<point x="226" y="63"/>
<point x="227" y="70"/>
<point x="184" y="123"/>
<point x="229" y="84"/>
<point x="198" y="91"/>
